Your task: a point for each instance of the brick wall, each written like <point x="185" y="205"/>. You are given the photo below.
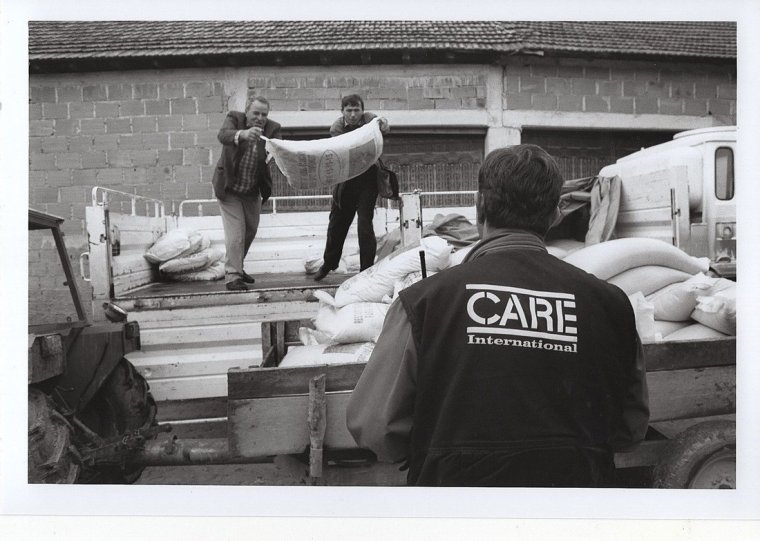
<point x="598" y="86"/>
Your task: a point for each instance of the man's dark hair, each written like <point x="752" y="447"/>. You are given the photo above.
<point x="519" y="188"/>
<point x="352" y="99"/>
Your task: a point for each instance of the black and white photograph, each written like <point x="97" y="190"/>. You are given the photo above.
<point x="482" y="265"/>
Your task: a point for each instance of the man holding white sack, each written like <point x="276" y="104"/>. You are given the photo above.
<point x="242" y="183"/>
<point x="513" y="368"/>
<point x="356" y="196"/>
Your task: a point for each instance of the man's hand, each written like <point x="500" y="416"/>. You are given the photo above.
<point x="384" y="126"/>
<point x="251" y="134"/>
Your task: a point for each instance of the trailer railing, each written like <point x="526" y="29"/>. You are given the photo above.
<point x="106" y="195"/>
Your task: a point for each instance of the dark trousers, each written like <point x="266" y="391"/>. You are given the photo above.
<point x="356" y="196"/>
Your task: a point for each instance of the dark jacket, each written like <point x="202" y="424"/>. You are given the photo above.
<point x="524" y="365"/>
<point x="228" y="167"/>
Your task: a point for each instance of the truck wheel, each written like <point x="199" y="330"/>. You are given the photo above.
<point x="122" y="404"/>
<point x="52" y="458"/>
<point x="703" y="456"/>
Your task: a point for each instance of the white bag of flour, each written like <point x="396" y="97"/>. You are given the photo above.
<point x="355" y="322"/>
<point x="327" y="354"/>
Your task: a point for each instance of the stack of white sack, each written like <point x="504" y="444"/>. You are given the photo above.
<point x="184" y="255"/>
<point x="348" y="263"/>
<point x="671" y="297"/>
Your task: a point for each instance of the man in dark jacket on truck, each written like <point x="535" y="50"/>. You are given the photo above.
<point x="513" y="368"/>
<point x="242" y="183"/>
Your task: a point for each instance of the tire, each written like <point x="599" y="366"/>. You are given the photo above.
<point x="703" y="456"/>
<point x="52" y="457"/>
<point x="123" y="404"/>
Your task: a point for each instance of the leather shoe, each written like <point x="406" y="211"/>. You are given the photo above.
<point x="247" y="278"/>
<point x="321" y="273"/>
<point x="237" y="285"/>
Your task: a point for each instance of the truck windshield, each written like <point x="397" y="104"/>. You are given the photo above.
<point x="724" y="173"/>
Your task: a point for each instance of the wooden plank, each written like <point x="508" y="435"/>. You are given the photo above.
<point x="701" y="392"/>
<point x="202" y="360"/>
<point x="208" y="386"/>
<point x="222" y="315"/>
<point x="317" y="424"/>
<point x="129" y="262"/>
<point x="690" y="354"/>
<point x="200" y="408"/>
<point x="198" y="334"/>
<point x="271" y="382"/>
<point x="275" y="426"/>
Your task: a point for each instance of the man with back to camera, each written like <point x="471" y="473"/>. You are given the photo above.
<point x="242" y="183"/>
<point x="513" y="368"/>
<point x="356" y="196"/>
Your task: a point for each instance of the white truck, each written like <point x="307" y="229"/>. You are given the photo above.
<point x="682" y="192"/>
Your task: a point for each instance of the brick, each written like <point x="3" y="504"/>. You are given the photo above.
<point x="35" y="145"/>
<point x="258" y="82"/>
<point x="596" y="104"/>
<point x="198" y="89"/>
<point x="201" y="190"/>
<point x="447" y="104"/>
<point x="135" y="175"/>
<point x="94" y="160"/>
<point x="671" y="106"/>
<point x="211" y="104"/>
<point x="155" y="141"/>
<point x="206" y="138"/>
<point x="659" y="90"/>
<point x="106" y="109"/>
<point x="705" y="90"/>
<point x="131" y="108"/>
<point x="35" y="111"/>
<point x="157" y="176"/>
<point x="634" y="88"/>
<point x="207" y="173"/>
<point x="168" y="91"/>
<point x="56" y="143"/>
<point x="105" y="142"/>
<point x="118" y="125"/>
<point x="119" y="158"/>
<point x="146" y="91"/>
<point x="73" y="194"/>
<point x="569" y="103"/>
<point x="181" y="140"/>
<point x="42" y="94"/>
<point x="695" y="107"/>
<point x="119" y="92"/>
<point x="157" y="107"/>
<point x="196" y="156"/>
<point x="558" y="85"/>
<point x="42" y="162"/>
<point x="644" y="104"/>
<point x="543" y="102"/>
<point x="311" y="105"/>
<point x="719" y="107"/>
<point x="194" y="122"/>
<point x="433" y="92"/>
<point x="69" y="93"/>
<point x="621" y="105"/>
<point x="183" y="106"/>
<point x="390" y="93"/>
<point x="570" y="72"/>
<point x="93" y="126"/>
<point x="473" y="103"/>
<point x="610" y="88"/>
<point x="583" y="87"/>
<point x="463" y="92"/>
<point x="68" y="127"/>
<point x="518" y="101"/>
<point x="597" y="72"/>
<point x="346" y="82"/>
<point x="682" y="90"/>
<point x="130" y="142"/>
<point x="81" y="110"/>
<point x="68" y="160"/>
<point x="109" y="176"/>
<point x="55" y="111"/>
<point x="41" y="127"/>
<point x="176" y="190"/>
<point x="727" y="91"/>
<point x="169" y="123"/>
<point x="43" y="195"/>
<point x="533" y="84"/>
<point x="94" y="93"/>
<point x="170" y="157"/>
<point x="144" y="124"/>
<point x="59" y="178"/>
<point x="144" y="158"/>
<point x="77" y="224"/>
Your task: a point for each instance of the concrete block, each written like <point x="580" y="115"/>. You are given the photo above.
<point x="283" y="105"/>
<point x="597" y="104"/>
<point x="534" y="85"/>
<point x="118" y="125"/>
<point x="583" y="87"/>
<point x="68" y="160"/>
<point x="215" y="121"/>
<point x="110" y="176"/>
<point x="198" y="89"/>
<point x="621" y="105"/>
<point x="157" y="176"/>
<point x="669" y="106"/>
<point x="200" y="190"/>
<point x="207" y="139"/>
<point x="610" y="88"/>
<point x="434" y="92"/>
<point x="597" y="72"/>
<point x="463" y="92"/>
<point x="727" y="91"/>
<point x="207" y="173"/>
<point x="118" y="92"/>
<point x="313" y="93"/>
<point x="314" y="105"/>
<point x="155" y="141"/>
<point x="144" y="124"/>
<point x="284" y="81"/>
<point x="705" y="90"/>
<point x="170" y="157"/>
<point x="106" y="109"/>
<point x="146" y="91"/>
<point x="130" y="142"/>
<point x="187" y="174"/>
<point x="38" y="128"/>
<point x="543" y="102"/>
<point x="558" y="85"/>
<point x="695" y="107"/>
<point x="342" y="82"/>
<point x="74" y="194"/>
<point x="259" y="82"/>
<point x="719" y="107"/>
<point x="43" y="195"/>
<point x="59" y="178"/>
<point x="105" y="141"/>
<point x="35" y="111"/>
<point x="94" y="93"/>
<point x="658" y="89"/>
<point x="144" y="158"/>
<point x="183" y="106"/>
<point x="181" y="140"/>
<point x="157" y="107"/>
<point x="682" y="89"/>
<point x="544" y="71"/>
<point x="648" y="75"/>
<point x="196" y="156"/>
<point x="42" y="94"/>
<point x="93" y="126"/>
<point x="473" y="103"/>
<point x="69" y="93"/>
<point x="68" y="126"/>
<point x="194" y="123"/>
<point x="518" y="70"/>
<point x="448" y="104"/>
<point x="119" y="158"/>
<point x="170" y="123"/>
<point x="570" y="102"/>
<point x="176" y="191"/>
<point x="81" y="109"/>
<point x="53" y="111"/>
<point x="35" y="145"/>
<point x="84" y="177"/>
<point x="94" y="160"/>
<point x="634" y="88"/>
<point x="134" y="176"/>
<point x="518" y="101"/>
<point x="170" y="91"/>
<point x="645" y="104"/>
<point x="414" y="104"/>
<point x="57" y="143"/>
<point x="312" y="82"/>
<point x="212" y="104"/>
<point x="131" y="108"/>
<point x="570" y="72"/>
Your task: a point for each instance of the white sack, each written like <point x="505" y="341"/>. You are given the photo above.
<point x="607" y="259"/>
<point x="647" y="279"/>
<point x="198" y="242"/>
<point x="677" y="301"/>
<point x="194" y="262"/>
<point x="644" y="312"/>
<point x="324" y="162"/>
<point x="312" y="337"/>
<point x="665" y="328"/>
<point x="563" y="247"/>
<point x="372" y="284"/>
<point x="717" y="311"/>
<point x="457" y="257"/>
<point x="213" y="272"/>
<point x="695" y="331"/>
<point x="327" y="354"/>
<point x="169" y="245"/>
<point x="355" y="322"/>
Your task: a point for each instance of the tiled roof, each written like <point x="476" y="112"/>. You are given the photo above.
<point x="50" y="40"/>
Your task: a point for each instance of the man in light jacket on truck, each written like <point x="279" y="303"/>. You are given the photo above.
<point x="513" y="368"/>
<point x="242" y="183"/>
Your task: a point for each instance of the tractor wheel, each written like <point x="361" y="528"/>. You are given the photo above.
<point x="123" y="404"/>
<point x="703" y="456"/>
<point x="52" y="457"/>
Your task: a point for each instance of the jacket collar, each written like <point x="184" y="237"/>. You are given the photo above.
<point x="506" y="239"/>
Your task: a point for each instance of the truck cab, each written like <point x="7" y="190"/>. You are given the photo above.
<point x="682" y="192"/>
